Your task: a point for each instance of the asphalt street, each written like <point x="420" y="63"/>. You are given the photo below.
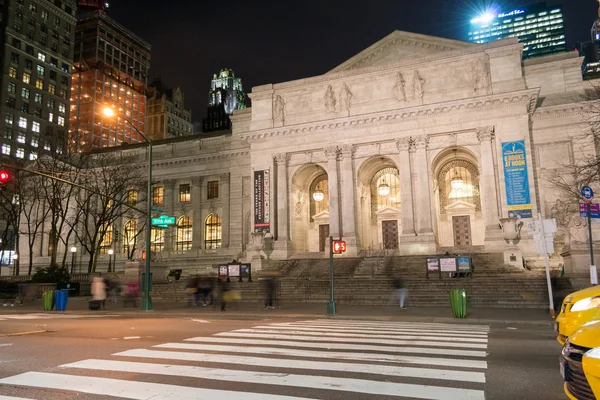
<point x="75" y="356"/>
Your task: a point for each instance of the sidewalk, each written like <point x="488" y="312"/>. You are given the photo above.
<point x="492" y="316"/>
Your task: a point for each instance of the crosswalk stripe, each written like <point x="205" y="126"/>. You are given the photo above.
<point x="428" y="328"/>
<point x="343" y="346"/>
<point x="12" y="398"/>
<point x="327" y="328"/>
<point x="398" y="342"/>
<point x="448" y="362"/>
<point x="346" y="334"/>
<point x="480" y="328"/>
<point x="131" y="389"/>
<point x="388" y="370"/>
<point x="279" y="379"/>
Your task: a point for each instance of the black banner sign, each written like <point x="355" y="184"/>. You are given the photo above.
<point x="262" y="202"/>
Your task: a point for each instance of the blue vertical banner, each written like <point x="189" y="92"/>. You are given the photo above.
<point x="516" y="179"/>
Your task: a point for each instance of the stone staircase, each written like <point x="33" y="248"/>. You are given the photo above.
<point x="366" y="280"/>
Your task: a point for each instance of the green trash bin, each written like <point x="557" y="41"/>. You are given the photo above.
<point x="458" y="300"/>
<point x="48" y="300"/>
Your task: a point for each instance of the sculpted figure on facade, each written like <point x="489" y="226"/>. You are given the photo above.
<point x="482" y="76"/>
<point x="345" y="98"/>
<point x="279" y="109"/>
<point x="418" y="86"/>
<point x="330" y="101"/>
<point x="399" y="89"/>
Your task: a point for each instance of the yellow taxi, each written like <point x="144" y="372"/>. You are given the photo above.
<point x="580" y="363"/>
<point x="578" y="309"/>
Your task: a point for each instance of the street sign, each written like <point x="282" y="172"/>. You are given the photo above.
<point x="594" y="210"/>
<point x="535" y="227"/>
<point x="339" y="246"/>
<point x="163" y="221"/>
<point x="157" y="209"/>
<point x="587" y="194"/>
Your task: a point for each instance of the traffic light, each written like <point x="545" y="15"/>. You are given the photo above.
<point x="4" y="178"/>
<point x="339" y="246"/>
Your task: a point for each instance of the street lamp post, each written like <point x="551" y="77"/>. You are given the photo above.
<point x="110" y="254"/>
<point x="73" y="251"/>
<point x="146" y="299"/>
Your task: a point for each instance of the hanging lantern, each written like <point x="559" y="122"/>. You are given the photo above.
<point x="383" y="189"/>
<point x="457" y="182"/>
<point x="318" y="194"/>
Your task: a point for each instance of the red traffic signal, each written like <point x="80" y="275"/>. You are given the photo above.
<point x="4" y="177"/>
<point x="339" y="246"/>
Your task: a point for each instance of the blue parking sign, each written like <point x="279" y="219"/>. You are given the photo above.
<point x="587" y="193"/>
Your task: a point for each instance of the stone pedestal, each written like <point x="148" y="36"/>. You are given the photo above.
<point x="577" y="260"/>
<point x="494" y="240"/>
<point x="134" y="270"/>
<point x="513" y="256"/>
<point x="423" y="243"/>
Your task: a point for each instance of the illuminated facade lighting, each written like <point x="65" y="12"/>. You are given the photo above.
<point x="539" y="27"/>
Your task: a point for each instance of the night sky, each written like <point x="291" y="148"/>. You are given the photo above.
<point x="273" y="41"/>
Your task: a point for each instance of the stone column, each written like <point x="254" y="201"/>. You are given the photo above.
<point x="487" y="178"/>
<point x="282" y="233"/>
<point x="197" y="222"/>
<point x="348" y="211"/>
<point x="170" y="232"/>
<point x="226" y="201"/>
<point x="422" y="193"/>
<point x="331" y="153"/>
<point x="406" y="186"/>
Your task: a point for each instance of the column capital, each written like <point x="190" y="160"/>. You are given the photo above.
<point x="197" y="180"/>
<point x="169" y="183"/>
<point x="485" y="133"/>
<point x="282" y="158"/>
<point x="225" y="178"/>
<point x="419" y="142"/>
<point x="403" y="144"/>
<point x="347" y="150"/>
<point x="331" y="152"/>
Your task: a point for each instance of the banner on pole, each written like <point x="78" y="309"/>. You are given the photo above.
<point x="262" y="201"/>
<point x="516" y="178"/>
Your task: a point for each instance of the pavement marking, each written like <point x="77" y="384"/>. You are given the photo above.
<point x="130" y="389"/>
<point x="13" y="398"/>
<point x="399" y="325"/>
<point x="324" y="332"/>
<point x="131" y="337"/>
<point x="388" y="370"/>
<point x="5" y="344"/>
<point x="342" y="346"/>
<point x="386" y="324"/>
<point x="23" y="333"/>
<point x="408" y="359"/>
<point x="285" y="379"/>
<point x="330" y="328"/>
<point x="398" y="341"/>
<point x="54" y="316"/>
<point x="203" y="321"/>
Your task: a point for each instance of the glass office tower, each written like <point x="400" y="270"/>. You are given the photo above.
<point x="539" y="27"/>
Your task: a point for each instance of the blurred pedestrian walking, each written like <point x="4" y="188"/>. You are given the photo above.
<point x="98" y="290"/>
<point x="224" y="289"/>
<point x="401" y="291"/>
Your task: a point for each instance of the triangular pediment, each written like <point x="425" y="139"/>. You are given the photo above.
<point x="400" y="45"/>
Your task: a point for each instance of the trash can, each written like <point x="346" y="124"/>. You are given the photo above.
<point x="458" y="300"/>
<point x="48" y="300"/>
<point x="62" y="296"/>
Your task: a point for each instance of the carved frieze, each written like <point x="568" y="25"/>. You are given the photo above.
<point x="347" y="150"/>
<point x="282" y="158"/>
<point x="485" y="133"/>
<point x="420" y="142"/>
<point x="403" y="144"/>
<point x="331" y="152"/>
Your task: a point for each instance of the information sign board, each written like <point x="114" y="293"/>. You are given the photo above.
<point x="234" y="270"/>
<point x="464" y="264"/>
<point x="222" y="270"/>
<point x="516" y="179"/>
<point x="448" y="264"/>
<point x="433" y="264"/>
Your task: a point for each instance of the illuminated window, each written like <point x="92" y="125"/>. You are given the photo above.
<point x="61" y="121"/>
<point x="184" y="193"/>
<point x="321" y="186"/>
<point x="39" y="83"/>
<point x="40" y="70"/>
<point x="12" y="72"/>
<point x="158" y="196"/>
<point x="26" y="77"/>
<point x="184" y="234"/>
<point x="37" y="98"/>
<point x="21" y="138"/>
<point x="107" y="240"/>
<point x="157" y="239"/>
<point x="52" y="88"/>
<point x="12" y="88"/>
<point x="35" y="142"/>
<point x="20" y="153"/>
<point x="35" y="126"/>
<point x="23" y="122"/>
<point x="131" y="197"/>
<point x="41" y="56"/>
<point x="6" y="149"/>
<point x="458" y="182"/>
<point x="386" y="178"/>
<point x="25" y="93"/>
<point x="212" y="232"/>
<point x="213" y="190"/>
<point x="8" y="133"/>
<point x="9" y="118"/>
<point x="129" y="236"/>
<point x="33" y="156"/>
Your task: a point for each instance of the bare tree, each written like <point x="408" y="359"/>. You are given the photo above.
<point x="108" y="177"/>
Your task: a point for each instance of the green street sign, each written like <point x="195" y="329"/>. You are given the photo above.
<point x="163" y="221"/>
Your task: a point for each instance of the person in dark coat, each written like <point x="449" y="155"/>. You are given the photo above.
<point x="223" y="292"/>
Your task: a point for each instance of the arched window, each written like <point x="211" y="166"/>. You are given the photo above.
<point x="184" y="233"/>
<point x="319" y="185"/>
<point x="129" y="236"/>
<point x="386" y="178"/>
<point x="212" y="232"/>
<point x="107" y="240"/>
<point x="458" y="180"/>
<point x="157" y="239"/>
